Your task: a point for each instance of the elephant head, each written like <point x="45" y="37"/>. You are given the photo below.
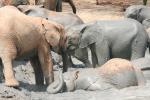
<point x="134" y="12"/>
<point x="74" y="36"/>
<point x="54" y="34"/>
<point x="90" y="34"/>
<point x="66" y="83"/>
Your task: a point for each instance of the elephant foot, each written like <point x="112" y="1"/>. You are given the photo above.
<point x="12" y="83"/>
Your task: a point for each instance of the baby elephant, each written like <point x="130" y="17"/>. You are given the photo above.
<point x="24" y="37"/>
<point x="117" y="72"/>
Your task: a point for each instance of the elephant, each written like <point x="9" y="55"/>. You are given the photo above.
<point x="55" y="5"/>
<point x="66" y="19"/>
<point x="22" y="39"/>
<point x="13" y="2"/>
<point x="138" y="12"/>
<point x="123" y="38"/>
<point x="115" y="73"/>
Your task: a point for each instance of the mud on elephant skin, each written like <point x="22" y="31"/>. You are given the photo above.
<point x="17" y="43"/>
<point x="116" y="73"/>
<point x="104" y="38"/>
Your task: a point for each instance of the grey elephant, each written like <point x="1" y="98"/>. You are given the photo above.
<point x="144" y="65"/>
<point x="125" y="38"/>
<point x="116" y="73"/>
<point x="66" y="19"/>
<point x="138" y="12"/>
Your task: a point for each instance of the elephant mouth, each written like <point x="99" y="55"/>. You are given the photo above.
<point x="71" y="47"/>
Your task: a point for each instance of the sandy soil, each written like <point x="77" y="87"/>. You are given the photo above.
<point x="88" y="11"/>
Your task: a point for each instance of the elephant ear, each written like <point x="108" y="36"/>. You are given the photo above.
<point x="89" y="35"/>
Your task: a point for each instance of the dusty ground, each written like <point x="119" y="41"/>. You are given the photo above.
<point x="88" y="11"/>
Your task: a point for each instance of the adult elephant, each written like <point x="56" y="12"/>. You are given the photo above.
<point x="125" y="38"/>
<point x="138" y="12"/>
<point x="116" y="73"/>
<point x="66" y="19"/>
<point x="22" y="39"/>
<point x="55" y="5"/>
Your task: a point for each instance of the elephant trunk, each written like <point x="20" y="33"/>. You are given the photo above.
<point x="73" y="6"/>
<point x="56" y="87"/>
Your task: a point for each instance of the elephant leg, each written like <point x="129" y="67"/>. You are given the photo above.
<point x="39" y="78"/>
<point x="50" y="4"/>
<point x="73" y="6"/>
<point x="8" y="72"/>
<point x="82" y="55"/>
<point x="45" y="59"/>
<point x="93" y="55"/>
<point x="138" y="49"/>
<point x="8" y="53"/>
<point x="102" y="53"/>
<point x="59" y="5"/>
<point x="1" y="71"/>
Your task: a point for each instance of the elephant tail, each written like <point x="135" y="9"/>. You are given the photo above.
<point x="145" y="68"/>
<point x="57" y="86"/>
<point x="73" y="6"/>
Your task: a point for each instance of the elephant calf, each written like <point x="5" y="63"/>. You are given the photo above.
<point x="125" y="38"/>
<point x="118" y="73"/>
<point x="24" y="37"/>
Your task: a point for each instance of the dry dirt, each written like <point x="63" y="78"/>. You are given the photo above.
<point x="88" y="11"/>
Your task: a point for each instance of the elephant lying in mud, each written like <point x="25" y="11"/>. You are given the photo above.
<point x="22" y="39"/>
<point x="66" y="19"/>
<point x="117" y="73"/>
<point x="125" y="38"/>
<point x="138" y="12"/>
